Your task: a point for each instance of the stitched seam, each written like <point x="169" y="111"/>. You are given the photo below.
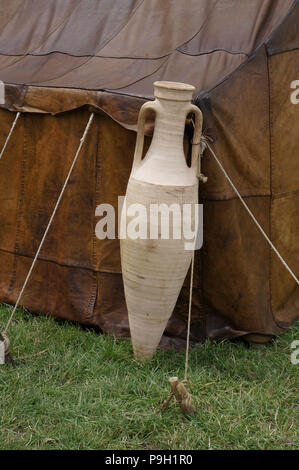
<point x="218" y="49"/>
<point x="47" y="260"/>
<point x="271" y="184"/>
<point x="94" y="287"/>
<point x="22" y="56"/>
<point x="19" y="209"/>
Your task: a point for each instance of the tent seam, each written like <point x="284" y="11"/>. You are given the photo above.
<point x="88" y="57"/>
<point x="94" y="284"/>
<point x="271" y="183"/>
<point x="19" y="210"/>
<point x="47" y="37"/>
<point x="251" y="56"/>
<point x="217" y="49"/>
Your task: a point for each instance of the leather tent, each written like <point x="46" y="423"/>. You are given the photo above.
<point x="60" y="59"/>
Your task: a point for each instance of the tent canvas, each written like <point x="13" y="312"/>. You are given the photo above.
<point x="61" y="59"/>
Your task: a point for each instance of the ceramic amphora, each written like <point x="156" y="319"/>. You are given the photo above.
<point x="154" y="262"/>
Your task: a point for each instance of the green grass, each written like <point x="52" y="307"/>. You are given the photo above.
<point x="87" y="392"/>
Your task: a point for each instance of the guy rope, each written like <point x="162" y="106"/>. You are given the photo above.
<point x="4" y="341"/>
<point x="9" y="135"/>
<point x="206" y="143"/>
<point x="178" y="389"/>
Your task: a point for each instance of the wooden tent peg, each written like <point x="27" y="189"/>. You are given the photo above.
<point x="183" y="397"/>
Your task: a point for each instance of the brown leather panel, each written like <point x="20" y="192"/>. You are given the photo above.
<point x="11" y="168"/>
<point x="284" y="115"/>
<point x="110" y="312"/>
<point x="7" y="263"/>
<point x="239" y="113"/>
<point x="284" y="231"/>
<point x="14" y="97"/>
<point x="289" y="312"/>
<point x="122" y="109"/>
<point x="73" y="287"/>
<point x="111" y="316"/>
<point x="57" y="100"/>
<point x="45" y="167"/>
<point x="232" y="297"/>
<point x="115" y="155"/>
<point x="236" y="263"/>
<point x="285" y="37"/>
<point x="34" y="168"/>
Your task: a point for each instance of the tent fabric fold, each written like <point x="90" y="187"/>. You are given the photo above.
<point x="61" y="59"/>
<point x="124" y="49"/>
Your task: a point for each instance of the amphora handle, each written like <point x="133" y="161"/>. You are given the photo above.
<point x="140" y="131"/>
<point x="196" y="135"/>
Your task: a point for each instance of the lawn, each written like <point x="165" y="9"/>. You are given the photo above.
<point x="74" y="389"/>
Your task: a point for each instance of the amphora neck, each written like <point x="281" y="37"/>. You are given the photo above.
<point x="165" y="161"/>
<point x="172" y="104"/>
